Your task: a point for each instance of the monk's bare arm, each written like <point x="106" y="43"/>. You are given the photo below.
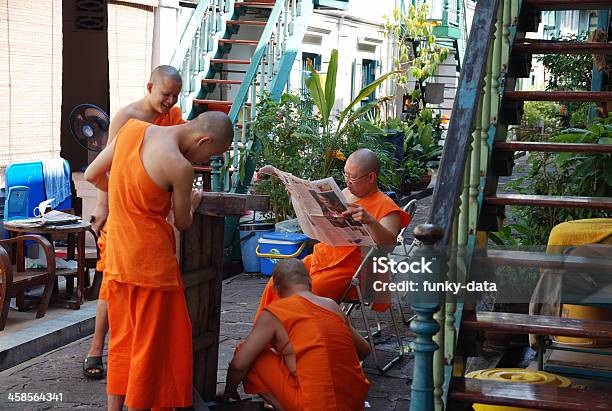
<point x="184" y="199"/>
<point x="97" y="172"/>
<point x="100" y="212"/>
<point x="260" y="337"/>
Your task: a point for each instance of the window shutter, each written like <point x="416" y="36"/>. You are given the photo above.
<point x="130" y="47"/>
<point x="30" y="80"/>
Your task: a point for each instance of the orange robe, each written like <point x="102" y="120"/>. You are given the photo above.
<point x="150" y="352"/>
<point x="331" y="268"/>
<point x="328" y="374"/>
<point x="172" y="118"/>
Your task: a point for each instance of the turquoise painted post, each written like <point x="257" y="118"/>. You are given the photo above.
<point x="603" y="17"/>
<point x="425" y="305"/>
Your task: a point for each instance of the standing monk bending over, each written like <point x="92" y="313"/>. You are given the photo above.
<point x="150" y="354"/>
<point x="156" y="107"/>
<point x="314" y="362"/>
<point x="331" y="268"/>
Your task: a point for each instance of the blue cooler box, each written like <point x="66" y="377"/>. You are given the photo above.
<point x="275" y="246"/>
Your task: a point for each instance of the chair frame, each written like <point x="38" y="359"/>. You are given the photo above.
<point x="13" y="287"/>
<point x="355" y="282"/>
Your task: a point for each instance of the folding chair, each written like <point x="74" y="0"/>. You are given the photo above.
<point x="350" y="303"/>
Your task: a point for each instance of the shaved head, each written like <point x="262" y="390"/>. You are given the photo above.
<point x="366" y="160"/>
<point x="290" y="272"/>
<point x="161" y="72"/>
<point x="216" y="124"/>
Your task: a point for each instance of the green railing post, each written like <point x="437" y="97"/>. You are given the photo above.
<point x="425" y="304"/>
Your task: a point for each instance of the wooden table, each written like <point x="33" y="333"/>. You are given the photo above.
<point x="201" y="261"/>
<point x="76" y="234"/>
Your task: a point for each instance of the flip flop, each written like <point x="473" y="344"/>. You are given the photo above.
<point x="93" y="363"/>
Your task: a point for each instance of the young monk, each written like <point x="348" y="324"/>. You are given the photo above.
<point x="331" y="268"/>
<point x="156" y="107"/>
<point x="314" y="362"/>
<point x="150" y="354"/>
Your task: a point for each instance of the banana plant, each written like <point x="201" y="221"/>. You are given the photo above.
<point x="323" y="93"/>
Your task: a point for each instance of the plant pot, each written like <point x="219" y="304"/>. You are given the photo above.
<point x="434" y="93"/>
<point x="421" y="184"/>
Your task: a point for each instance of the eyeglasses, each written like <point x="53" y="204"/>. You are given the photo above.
<point x="349" y="179"/>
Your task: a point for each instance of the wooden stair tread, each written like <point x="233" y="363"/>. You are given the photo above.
<point x="573" y="96"/>
<point x="229" y="61"/>
<point x="569" y="4"/>
<point x="562" y="47"/>
<point x="552" y="147"/>
<point x="513" y="258"/>
<point x="513" y="323"/>
<point x="218" y="81"/>
<point x="597" y="203"/>
<point x="239" y="41"/>
<point x="535" y="396"/>
<point x="247" y="22"/>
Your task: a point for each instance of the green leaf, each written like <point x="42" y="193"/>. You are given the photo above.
<point x="605" y="140"/>
<point x="366" y="91"/>
<point x="318" y="96"/>
<point x="370" y="128"/>
<point x="562" y="158"/>
<point x="358" y="113"/>
<point x="330" y="81"/>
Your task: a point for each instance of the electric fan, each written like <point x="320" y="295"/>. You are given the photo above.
<point x="89" y="126"/>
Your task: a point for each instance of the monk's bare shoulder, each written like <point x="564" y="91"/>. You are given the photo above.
<point x="328" y="304"/>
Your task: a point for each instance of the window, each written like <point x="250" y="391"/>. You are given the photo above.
<point x="309" y="59"/>
<point x="368" y="75"/>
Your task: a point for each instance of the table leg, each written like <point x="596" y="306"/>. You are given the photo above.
<point x="70" y="256"/>
<point x="80" y="266"/>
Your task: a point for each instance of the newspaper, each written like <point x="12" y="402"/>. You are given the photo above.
<point x="319" y="206"/>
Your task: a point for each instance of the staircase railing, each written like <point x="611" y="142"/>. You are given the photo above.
<point x="268" y="71"/>
<point x="450" y="233"/>
<point x="198" y="45"/>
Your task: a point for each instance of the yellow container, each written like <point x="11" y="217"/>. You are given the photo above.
<point x="585" y="312"/>
<point x="516" y="375"/>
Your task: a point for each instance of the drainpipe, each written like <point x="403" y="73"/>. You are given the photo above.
<point x="165" y="35"/>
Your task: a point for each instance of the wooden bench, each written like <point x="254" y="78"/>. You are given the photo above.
<point x="14" y="280"/>
<point x="534" y="396"/>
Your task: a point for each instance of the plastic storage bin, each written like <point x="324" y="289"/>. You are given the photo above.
<point x="249" y="238"/>
<point x="273" y="247"/>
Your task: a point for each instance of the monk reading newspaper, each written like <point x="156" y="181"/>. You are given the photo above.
<point x="332" y="267"/>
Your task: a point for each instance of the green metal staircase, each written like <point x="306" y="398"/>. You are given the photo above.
<point x="466" y="206"/>
<point x="230" y="53"/>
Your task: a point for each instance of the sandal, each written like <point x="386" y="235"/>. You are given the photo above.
<point x="93" y="363"/>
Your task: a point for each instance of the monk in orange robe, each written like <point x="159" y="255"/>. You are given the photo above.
<point x="150" y="353"/>
<point x="331" y="268"/>
<point x="302" y="353"/>
<point x="156" y="107"/>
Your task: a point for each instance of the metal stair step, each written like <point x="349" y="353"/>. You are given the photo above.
<point x="217" y="81"/>
<point x="255" y="4"/>
<point x="570" y="96"/>
<point x="569" y="4"/>
<point x="532" y="396"/>
<point x="552" y="147"/>
<point x="239" y="41"/>
<point x="596" y="203"/>
<point x="229" y="61"/>
<point x="561" y="47"/>
<point x="247" y="22"/>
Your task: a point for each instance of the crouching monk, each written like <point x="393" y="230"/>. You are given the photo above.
<point x="302" y="354"/>
<point x="150" y="354"/>
<point x="331" y="268"/>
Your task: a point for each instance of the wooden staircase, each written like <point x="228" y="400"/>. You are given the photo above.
<point x="467" y="204"/>
<point x="470" y="391"/>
